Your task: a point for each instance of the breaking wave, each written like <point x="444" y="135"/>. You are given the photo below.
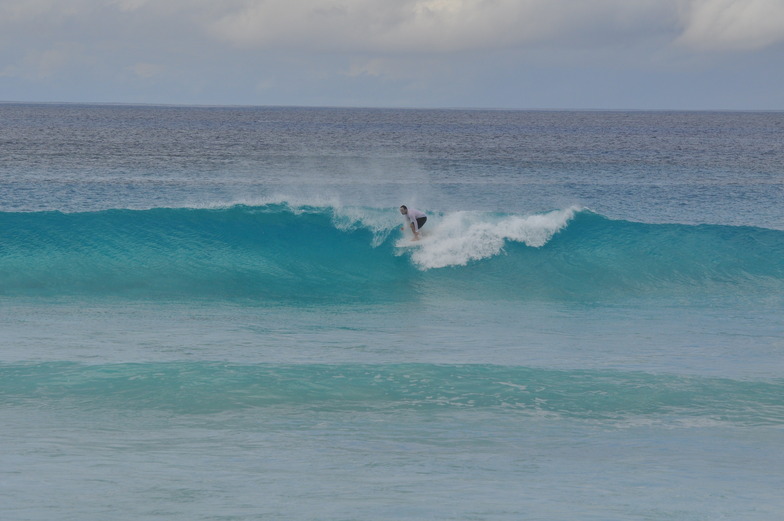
<point x="283" y="252"/>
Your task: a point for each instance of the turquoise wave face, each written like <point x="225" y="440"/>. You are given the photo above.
<point x="283" y="253"/>
<point x="208" y="388"/>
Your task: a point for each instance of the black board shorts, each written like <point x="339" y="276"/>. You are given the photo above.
<point x="421" y="222"/>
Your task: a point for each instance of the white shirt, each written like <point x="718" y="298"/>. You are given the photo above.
<point x="413" y="215"/>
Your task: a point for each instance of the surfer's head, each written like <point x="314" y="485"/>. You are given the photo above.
<point x="403" y="209"/>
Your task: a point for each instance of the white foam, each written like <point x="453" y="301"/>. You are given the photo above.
<point x="461" y="237"/>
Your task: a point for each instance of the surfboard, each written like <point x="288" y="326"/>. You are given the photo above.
<point x="408" y="241"/>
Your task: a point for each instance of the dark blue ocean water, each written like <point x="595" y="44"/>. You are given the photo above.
<point x="212" y="313"/>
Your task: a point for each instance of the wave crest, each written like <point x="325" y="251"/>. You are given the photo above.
<point x="279" y="252"/>
<point x="461" y="237"/>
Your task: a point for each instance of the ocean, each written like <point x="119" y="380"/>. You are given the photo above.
<point x="212" y="313"/>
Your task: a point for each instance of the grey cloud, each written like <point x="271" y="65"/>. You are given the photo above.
<point x="734" y="25"/>
<point x="434" y="25"/>
<point x="403" y="26"/>
<point x="408" y="26"/>
<point x="522" y="53"/>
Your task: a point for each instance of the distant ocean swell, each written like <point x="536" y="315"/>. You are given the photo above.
<point x="279" y="252"/>
<point x="207" y="388"/>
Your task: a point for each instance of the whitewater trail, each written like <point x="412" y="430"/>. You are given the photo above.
<point x="462" y="237"/>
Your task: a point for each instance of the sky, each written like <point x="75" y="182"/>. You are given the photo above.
<point x="517" y="54"/>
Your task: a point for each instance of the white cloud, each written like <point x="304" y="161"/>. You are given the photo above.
<point x="371" y="39"/>
<point x="733" y="24"/>
<point x="433" y="25"/>
<point x="391" y="52"/>
<point x="401" y="26"/>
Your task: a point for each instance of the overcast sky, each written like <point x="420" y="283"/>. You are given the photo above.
<point x="592" y="54"/>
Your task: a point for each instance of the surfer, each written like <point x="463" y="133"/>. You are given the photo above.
<point x="416" y="219"/>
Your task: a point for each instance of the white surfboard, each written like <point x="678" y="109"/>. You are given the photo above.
<point x="408" y="241"/>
